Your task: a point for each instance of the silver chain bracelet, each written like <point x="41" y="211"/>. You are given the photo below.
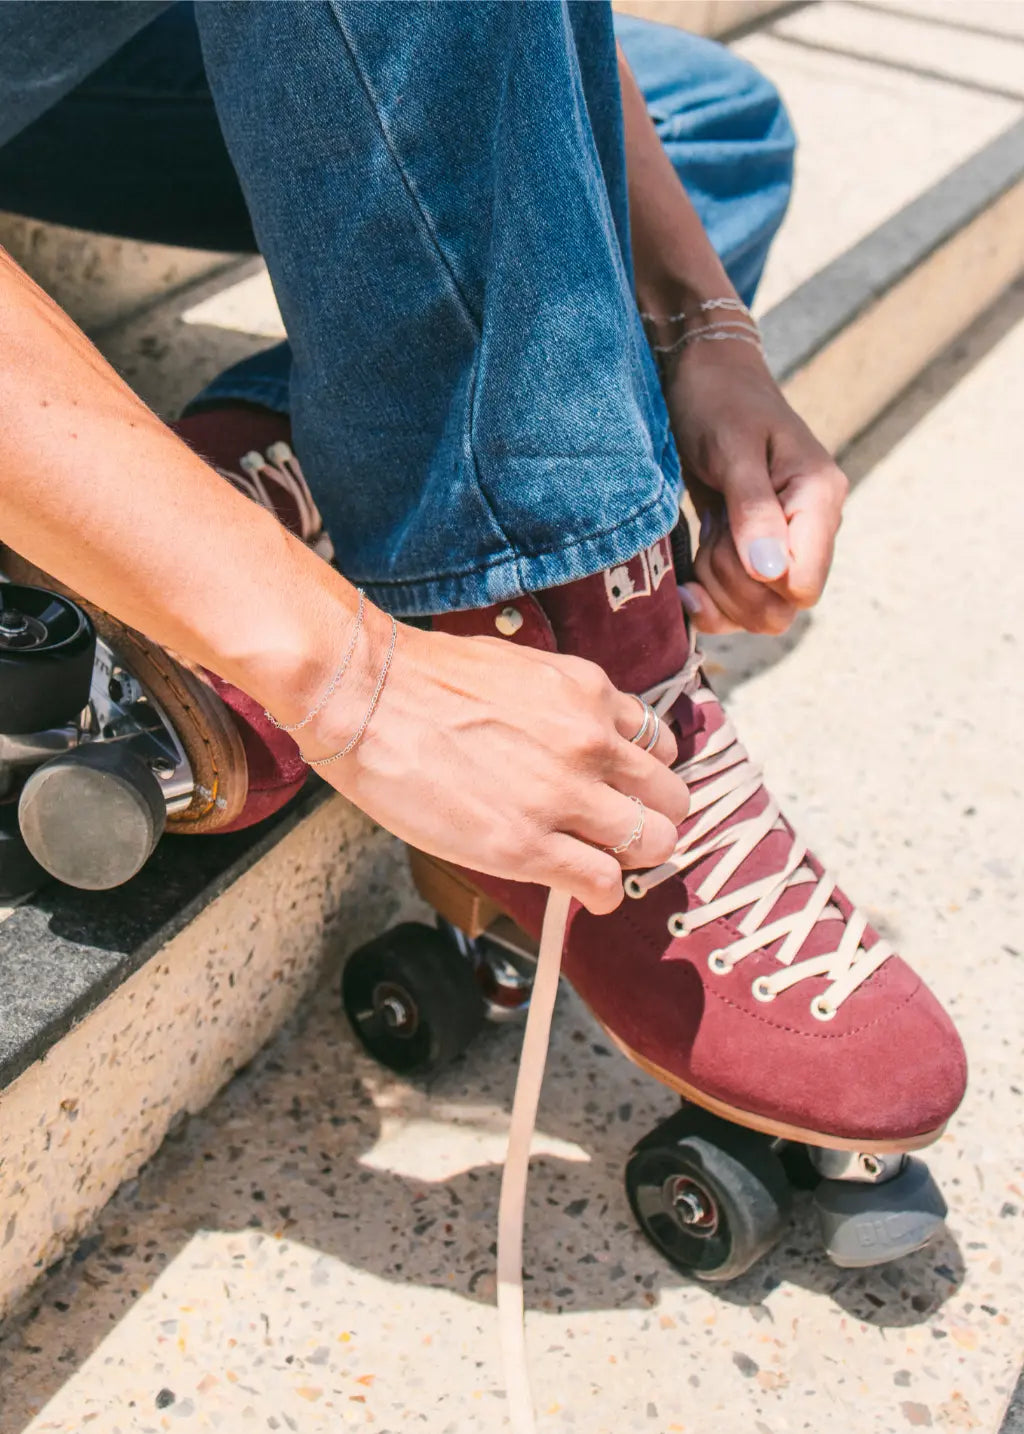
<point x="332" y="685"/>
<point x="336" y="756"/>
<point x="704" y="307"/>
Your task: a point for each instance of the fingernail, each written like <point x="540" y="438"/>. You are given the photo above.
<point x="689" y="601"/>
<point x="768" y="557"/>
<point x="706" y="525"/>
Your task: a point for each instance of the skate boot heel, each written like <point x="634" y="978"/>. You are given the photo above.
<point x="451" y="895"/>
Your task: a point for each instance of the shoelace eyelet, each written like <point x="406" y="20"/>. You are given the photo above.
<point x="677" y="924"/>
<point x="633" y="888"/>
<point x="822" y="1010"/>
<point x="761" y="991"/>
<point x="719" y="963"/>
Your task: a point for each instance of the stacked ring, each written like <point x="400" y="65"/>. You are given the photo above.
<point x="650" y="717"/>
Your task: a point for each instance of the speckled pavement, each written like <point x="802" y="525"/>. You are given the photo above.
<point x="316" y="1250"/>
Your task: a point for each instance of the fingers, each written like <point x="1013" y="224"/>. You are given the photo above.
<point x="592" y="875"/>
<point x="814" y="508"/>
<point x="612" y="819"/>
<point x="756" y="519"/>
<point x="657" y="786"/>
<point x="729" y="597"/>
<point x="634" y="723"/>
<point x="705" y="612"/>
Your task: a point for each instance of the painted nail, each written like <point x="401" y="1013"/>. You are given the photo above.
<point x="689" y="601"/>
<point x="768" y="557"/>
<point x="707" y="524"/>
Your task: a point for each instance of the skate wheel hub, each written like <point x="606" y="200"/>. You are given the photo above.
<point x="396" y="1008"/>
<point x="693" y="1206"/>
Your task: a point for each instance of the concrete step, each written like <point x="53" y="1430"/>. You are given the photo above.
<point x="129" y="1010"/>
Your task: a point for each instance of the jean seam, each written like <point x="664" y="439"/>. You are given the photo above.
<point x="410" y="188"/>
<point x="438" y="248"/>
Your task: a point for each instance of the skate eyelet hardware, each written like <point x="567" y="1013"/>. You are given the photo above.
<point x="633" y="888"/>
<point x="761" y="990"/>
<point x="677" y="924"/>
<point x="509" y="621"/>
<point x="719" y="963"/>
<point x="822" y="1010"/>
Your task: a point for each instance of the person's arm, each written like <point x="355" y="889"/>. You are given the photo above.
<point x="768" y="493"/>
<point x="97" y="491"/>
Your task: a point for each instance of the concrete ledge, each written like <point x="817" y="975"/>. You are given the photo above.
<point x="158" y="1010"/>
<point x="100" y="280"/>
<point x="846" y="342"/>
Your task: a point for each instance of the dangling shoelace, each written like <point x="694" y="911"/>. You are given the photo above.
<point x="727" y="779"/>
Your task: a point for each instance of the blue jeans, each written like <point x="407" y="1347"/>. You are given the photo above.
<point x="439" y="192"/>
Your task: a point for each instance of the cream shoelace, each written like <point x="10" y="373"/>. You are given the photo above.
<point x="730" y="779"/>
<point x="281" y="467"/>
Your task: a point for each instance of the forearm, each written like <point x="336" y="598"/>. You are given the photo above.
<point x="673" y="260"/>
<point x="97" y="491"/>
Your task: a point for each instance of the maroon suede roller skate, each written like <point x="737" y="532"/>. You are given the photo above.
<point x="95" y="717"/>
<point x="737" y="973"/>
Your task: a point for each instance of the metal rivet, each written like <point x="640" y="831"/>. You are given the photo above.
<point x="509" y="621"/>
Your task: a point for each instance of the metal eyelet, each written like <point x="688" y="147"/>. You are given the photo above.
<point x="822" y="1010"/>
<point x="761" y="991"/>
<point x="633" y="888"/>
<point x="509" y="621"/>
<point x="677" y="924"/>
<point x="719" y="962"/>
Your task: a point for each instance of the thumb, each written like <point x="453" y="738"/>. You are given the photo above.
<point x="756" y="521"/>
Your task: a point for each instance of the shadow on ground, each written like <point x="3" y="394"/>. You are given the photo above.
<point x="303" y="1144"/>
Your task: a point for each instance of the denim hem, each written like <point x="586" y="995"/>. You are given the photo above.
<point x="513" y="576"/>
<point x="272" y="393"/>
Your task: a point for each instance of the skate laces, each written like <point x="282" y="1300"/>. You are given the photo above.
<point x="267" y="478"/>
<point x="727" y="779"/>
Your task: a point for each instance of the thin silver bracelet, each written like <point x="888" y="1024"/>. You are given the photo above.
<point x="718" y="332"/>
<point x="332" y="686"/>
<point x="336" y="756"/>
<point x="704" y="307"/>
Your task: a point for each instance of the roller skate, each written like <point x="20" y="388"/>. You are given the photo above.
<point x="805" y="1052"/>
<point x="106" y="739"/>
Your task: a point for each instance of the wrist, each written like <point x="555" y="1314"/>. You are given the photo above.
<point x="286" y="649"/>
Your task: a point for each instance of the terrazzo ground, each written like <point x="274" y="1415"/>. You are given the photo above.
<point x="316" y="1250"/>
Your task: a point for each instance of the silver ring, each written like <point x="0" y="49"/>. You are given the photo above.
<point x="635" y="834"/>
<point x="648" y="714"/>
<point x="654" y="735"/>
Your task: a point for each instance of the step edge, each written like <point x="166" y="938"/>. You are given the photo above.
<point x="828" y="302"/>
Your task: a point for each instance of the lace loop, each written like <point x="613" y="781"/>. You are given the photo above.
<point x="723" y="779"/>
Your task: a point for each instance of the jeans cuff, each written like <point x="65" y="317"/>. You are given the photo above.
<point x="266" y="392"/>
<point x="513" y="576"/>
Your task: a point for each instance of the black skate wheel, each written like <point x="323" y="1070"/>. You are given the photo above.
<point x="710" y="1196"/>
<point x="47" y="645"/>
<point x="20" y="873"/>
<point x="412" y="999"/>
<point x="864" y="1224"/>
<point x="92" y="816"/>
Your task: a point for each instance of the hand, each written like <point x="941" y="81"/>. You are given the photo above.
<point x="506" y="760"/>
<point x="769" y="496"/>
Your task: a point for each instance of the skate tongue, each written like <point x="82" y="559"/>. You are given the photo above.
<point x="627" y="619"/>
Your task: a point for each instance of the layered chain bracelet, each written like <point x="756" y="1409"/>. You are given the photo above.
<point x="332" y="687"/>
<point x="741" y="326"/>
